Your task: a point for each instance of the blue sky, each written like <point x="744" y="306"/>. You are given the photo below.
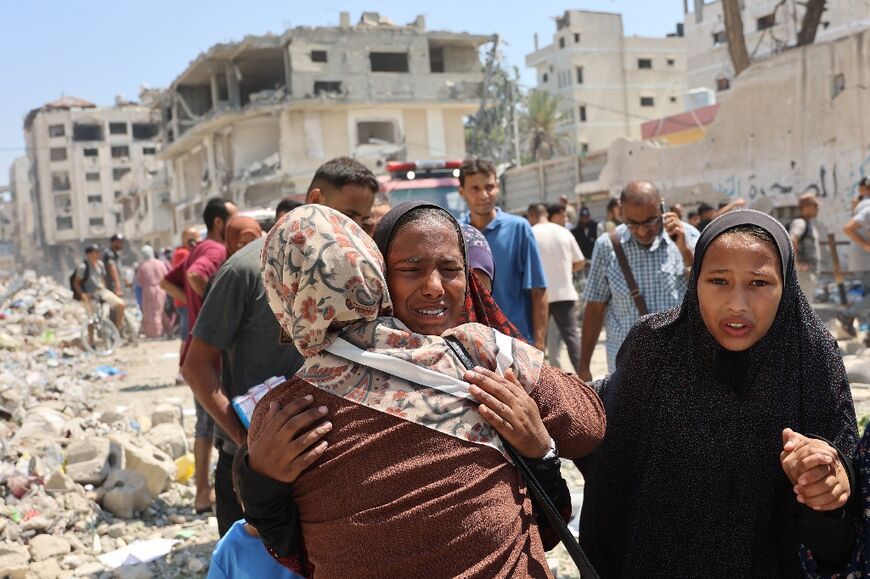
<point x="99" y="48"/>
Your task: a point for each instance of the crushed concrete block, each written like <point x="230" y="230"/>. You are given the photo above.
<point x="165" y="413"/>
<point x="88" y="569"/>
<point x="145" y="458"/>
<point x="170" y="438"/>
<point x="14" y="559"/>
<point x="126" y="493"/>
<point x="59" y="482"/>
<point x="44" y="546"/>
<point x="48" y="569"/>
<point x="39" y="424"/>
<point x="91" y="461"/>
<point x="140" y="571"/>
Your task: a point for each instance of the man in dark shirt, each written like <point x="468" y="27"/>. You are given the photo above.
<point x="586" y="232"/>
<point x="237" y="326"/>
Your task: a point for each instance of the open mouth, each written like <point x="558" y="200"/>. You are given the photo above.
<point x="736" y="329"/>
<point x="431" y="313"/>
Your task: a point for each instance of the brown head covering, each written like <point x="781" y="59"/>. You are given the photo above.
<point x="236" y="228"/>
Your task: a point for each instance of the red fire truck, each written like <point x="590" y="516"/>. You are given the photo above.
<point x="435" y="181"/>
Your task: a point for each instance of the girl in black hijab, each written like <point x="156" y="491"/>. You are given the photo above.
<point x="687" y="482"/>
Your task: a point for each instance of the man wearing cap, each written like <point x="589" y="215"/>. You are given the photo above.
<point x="90" y="283"/>
<point x="586" y="232"/>
<point x="858" y="230"/>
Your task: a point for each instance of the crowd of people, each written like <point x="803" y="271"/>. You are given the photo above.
<point x="722" y="441"/>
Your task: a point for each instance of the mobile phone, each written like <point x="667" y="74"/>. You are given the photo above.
<point x="664" y="209"/>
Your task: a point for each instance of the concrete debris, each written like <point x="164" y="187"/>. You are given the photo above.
<point x="91" y="461"/>
<point x="170" y="438"/>
<point x="126" y="494"/>
<point x="149" y="461"/>
<point x="44" y="546"/>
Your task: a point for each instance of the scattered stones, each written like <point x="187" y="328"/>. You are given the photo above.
<point x="59" y="482"/>
<point x="165" y="413"/>
<point x="126" y="493"/>
<point x="44" y="546"/>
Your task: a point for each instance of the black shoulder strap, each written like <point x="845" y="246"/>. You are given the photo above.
<point x="639" y="302"/>
<point x="541" y="500"/>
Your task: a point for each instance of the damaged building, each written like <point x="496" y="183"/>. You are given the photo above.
<point x="79" y="155"/>
<point x="252" y="120"/>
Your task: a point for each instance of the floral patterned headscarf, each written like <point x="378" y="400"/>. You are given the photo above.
<point x="324" y="278"/>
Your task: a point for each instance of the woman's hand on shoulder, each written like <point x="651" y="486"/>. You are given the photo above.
<point x="286" y="445"/>
<point x="813" y="466"/>
<point x="510" y="410"/>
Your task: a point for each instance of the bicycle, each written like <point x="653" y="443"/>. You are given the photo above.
<point x="99" y="334"/>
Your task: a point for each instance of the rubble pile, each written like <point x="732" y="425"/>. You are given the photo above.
<point x="85" y="490"/>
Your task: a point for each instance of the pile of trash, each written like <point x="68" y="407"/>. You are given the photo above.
<point x="37" y="311"/>
<point x="86" y="491"/>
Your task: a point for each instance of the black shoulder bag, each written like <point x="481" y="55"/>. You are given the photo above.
<point x="540" y="498"/>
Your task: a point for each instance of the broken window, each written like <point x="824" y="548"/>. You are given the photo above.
<point x="644" y="63"/>
<point x="576" y="38"/>
<point x="90" y="152"/>
<point x="58" y="154"/>
<point x="436" y="59"/>
<point x="579" y="74"/>
<point x="544" y="77"/>
<point x="582" y="113"/>
<point x="63" y="223"/>
<point x="117" y="128"/>
<point x="672" y="62"/>
<point x="375" y="132"/>
<point x="119" y="172"/>
<point x="144" y="131"/>
<point x="87" y="132"/>
<point x="117" y="194"/>
<point x="318" y="56"/>
<point x="62" y="202"/>
<point x="326" y="86"/>
<point x="673" y="99"/>
<point x="55" y="131"/>
<point x="766" y="21"/>
<point x="389" y="61"/>
<point x="120" y="152"/>
<point x="723" y="83"/>
<point x="149" y="150"/>
<point x="96" y="221"/>
<point x="647" y="101"/>
<point x="95" y="200"/>
<point x="60" y="181"/>
<point x="562" y="42"/>
<point x="92" y="176"/>
<point x="719" y="38"/>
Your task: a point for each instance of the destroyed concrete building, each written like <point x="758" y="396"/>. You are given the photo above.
<point x="79" y="155"/>
<point x="252" y="120"/>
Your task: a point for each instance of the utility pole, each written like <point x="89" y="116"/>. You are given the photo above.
<point x="515" y="124"/>
<point x="484" y="93"/>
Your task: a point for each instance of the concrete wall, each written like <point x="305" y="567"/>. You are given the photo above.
<point x="254" y="140"/>
<point x="782" y="132"/>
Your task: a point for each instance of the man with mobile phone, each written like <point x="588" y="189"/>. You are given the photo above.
<point x="650" y="276"/>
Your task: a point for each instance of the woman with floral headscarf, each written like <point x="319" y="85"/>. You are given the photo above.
<point x="412" y="476"/>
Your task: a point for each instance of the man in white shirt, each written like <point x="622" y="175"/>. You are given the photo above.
<point x="561" y="256"/>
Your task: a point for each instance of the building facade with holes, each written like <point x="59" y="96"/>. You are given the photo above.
<point x="769" y="26"/>
<point x="251" y="121"/>
<point x="607" y="83"/>
<point x="79" y="158"/>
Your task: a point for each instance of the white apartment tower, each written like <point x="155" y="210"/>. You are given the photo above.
<point x="608" y="83"/>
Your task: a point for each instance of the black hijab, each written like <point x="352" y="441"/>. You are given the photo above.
<point x="687" y="481"/>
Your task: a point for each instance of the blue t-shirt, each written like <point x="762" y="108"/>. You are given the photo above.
<point x="518" y="267"/>
<point x="239" y="555"/>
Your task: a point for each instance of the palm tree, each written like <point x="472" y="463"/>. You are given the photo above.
<point x="542" y="116"/>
